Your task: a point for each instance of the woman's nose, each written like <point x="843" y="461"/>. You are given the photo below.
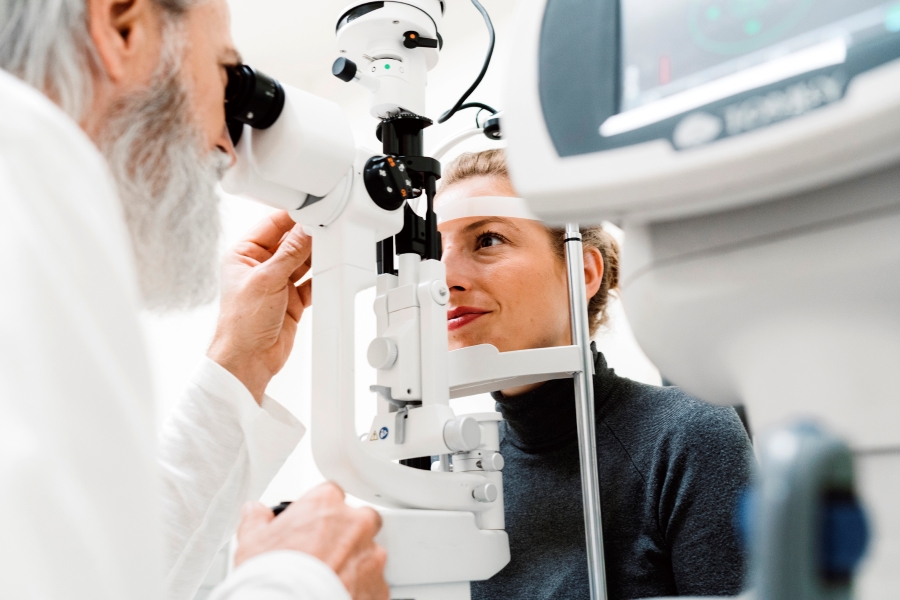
<point x="457" y="278"/>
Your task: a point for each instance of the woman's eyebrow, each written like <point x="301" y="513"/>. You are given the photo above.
<point x="479" y="224"/>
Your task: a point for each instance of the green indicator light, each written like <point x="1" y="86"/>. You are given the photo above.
<point x="753" y="27"/>
<point x="387" y="66"/>
<point x="713" y="13"/>
<point x="892" y="21"/>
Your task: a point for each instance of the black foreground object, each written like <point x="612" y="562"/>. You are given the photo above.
<point x="277" y="510"/>
<point x="344" y="69"/>
<point x="251" y="98"/>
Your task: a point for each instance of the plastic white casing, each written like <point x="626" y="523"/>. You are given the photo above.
<point x="374" y="42"/>
<point x="652" y="181"/>
<point x="308" y="151"/>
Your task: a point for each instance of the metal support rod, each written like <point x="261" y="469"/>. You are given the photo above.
<point x="584" y="413"/>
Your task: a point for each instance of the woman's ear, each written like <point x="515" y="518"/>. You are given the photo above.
<point x="126" y="36"/>
<point x="593" y="271"/>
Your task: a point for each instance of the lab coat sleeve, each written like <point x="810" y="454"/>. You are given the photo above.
<point x="218" y="449"/>
<point x="282" y="575"/>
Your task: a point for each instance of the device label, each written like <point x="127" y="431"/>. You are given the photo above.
<point x="777" y="105"/>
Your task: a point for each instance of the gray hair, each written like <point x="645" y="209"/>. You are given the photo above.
<point x="47" y="44"/>
<point x="167" y="185"/>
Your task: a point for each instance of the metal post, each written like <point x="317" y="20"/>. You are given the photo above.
<point x="584" y="413"/>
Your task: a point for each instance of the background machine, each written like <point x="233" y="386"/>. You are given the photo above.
<point x="751" y="151"/>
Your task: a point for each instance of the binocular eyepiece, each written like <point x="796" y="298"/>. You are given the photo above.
<point x="251" y="98"/>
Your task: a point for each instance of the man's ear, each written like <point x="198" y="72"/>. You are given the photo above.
<point x="127" y="37"/>
<point x="593" y="271"/>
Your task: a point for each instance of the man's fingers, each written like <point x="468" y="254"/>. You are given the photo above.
<point x="305" y="292"/>
<point x="293" y="251"/>
<point x="302" y="271"/>
<point x="371" y="518"/>
<point x="253" y="251"/>
<point x="329" y="491"/>
<point x="254" y="516"/>
<point x="271" y="230"/>
<point x="295" y="304"/>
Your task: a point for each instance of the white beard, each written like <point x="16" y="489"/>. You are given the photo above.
<point x="167" y="182"/>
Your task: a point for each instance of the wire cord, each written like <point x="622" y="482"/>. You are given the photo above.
<point x="487" y="62"/>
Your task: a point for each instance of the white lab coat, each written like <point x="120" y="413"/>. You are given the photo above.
<point x="86" y="512"/>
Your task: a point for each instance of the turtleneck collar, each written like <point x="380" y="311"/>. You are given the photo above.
<point x="543" y="419"/>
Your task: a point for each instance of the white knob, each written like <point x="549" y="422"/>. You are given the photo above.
<point x="462" y="434"/>
<point x="440" y="293"/>
<point x="485" y="493"/>
<point x="492" y="462"/>
<point x="382" y="353"/>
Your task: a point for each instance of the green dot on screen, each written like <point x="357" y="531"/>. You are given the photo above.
<point x="752" y="27"/>
<point x="387" y="66"/>
<point x="892" y="21"/>
<point x="713" y="13"/>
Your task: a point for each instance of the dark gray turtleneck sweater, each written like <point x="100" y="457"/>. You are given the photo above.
<point x="671" y="468"/>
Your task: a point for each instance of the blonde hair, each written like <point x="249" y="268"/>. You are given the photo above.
<point x="492" y="164"/>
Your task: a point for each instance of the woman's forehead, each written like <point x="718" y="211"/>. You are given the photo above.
<point x="482" y="185"/>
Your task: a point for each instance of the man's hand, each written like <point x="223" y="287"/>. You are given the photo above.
<point x="261" y="305"/>
<point x="322" y="525"/>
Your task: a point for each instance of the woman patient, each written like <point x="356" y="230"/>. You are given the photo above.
<point x="671" y="467"/>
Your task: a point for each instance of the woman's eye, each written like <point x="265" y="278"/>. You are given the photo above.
<point x="488" y="241"/>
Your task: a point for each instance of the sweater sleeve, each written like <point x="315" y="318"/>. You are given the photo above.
<point x="709" y="463"/>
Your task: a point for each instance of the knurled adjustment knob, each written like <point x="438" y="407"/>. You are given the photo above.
<point x="486" y="493"/>
<point x="382" y="353"/>
<point x="388" y="182"/>
<point x="344" y="69"/>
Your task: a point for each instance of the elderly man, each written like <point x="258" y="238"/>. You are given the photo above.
<point x="112" y="141"/>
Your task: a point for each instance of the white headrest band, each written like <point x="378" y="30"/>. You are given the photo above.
<point x="485" y="206"/>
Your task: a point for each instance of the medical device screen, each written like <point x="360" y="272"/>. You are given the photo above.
<point x="670" y="46"/>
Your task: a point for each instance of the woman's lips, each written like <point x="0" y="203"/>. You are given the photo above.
<point x="462" y="316"/>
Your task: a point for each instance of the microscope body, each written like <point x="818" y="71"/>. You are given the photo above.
<point x="443" y="527"/>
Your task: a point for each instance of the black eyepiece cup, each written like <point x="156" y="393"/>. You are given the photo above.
<point x="252" y="98"/>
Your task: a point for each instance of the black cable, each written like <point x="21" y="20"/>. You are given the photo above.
<point x="480" y="105"/>
<point x="487" y="62"/>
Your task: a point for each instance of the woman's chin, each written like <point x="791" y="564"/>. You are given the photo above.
<point x="460" y="340"/>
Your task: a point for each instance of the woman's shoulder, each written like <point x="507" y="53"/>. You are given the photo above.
<point x="671" y="414"/>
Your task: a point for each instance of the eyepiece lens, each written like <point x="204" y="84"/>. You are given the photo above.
<point x="252" y="97"/>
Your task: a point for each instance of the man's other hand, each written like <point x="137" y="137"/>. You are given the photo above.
<point x="322" y="525"/>
<point x="261" y="304"/>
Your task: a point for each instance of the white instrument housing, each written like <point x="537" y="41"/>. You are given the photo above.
<point x="800" y="117"/>
<point x="299" y="159"/>
<point x="396" y="75"/>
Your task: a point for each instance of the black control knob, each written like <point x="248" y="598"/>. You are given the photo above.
<point x="344" y="69"/>
<point x="388" y="181"/>
<point x="412" y="39"/>
<point x="492" y="129"/>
